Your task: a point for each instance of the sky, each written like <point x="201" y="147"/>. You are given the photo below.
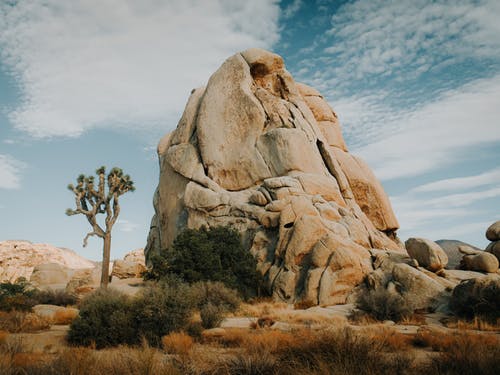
<point x="85" y="83"/>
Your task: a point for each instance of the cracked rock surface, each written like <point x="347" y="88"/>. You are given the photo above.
<point x="261" y="153"/>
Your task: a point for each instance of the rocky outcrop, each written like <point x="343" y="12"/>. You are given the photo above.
<point x="135" y="256"/>
<point x="19" y="258"/>
<point x="123" y="269"/>
<point x="427" y="253"/>
<point x="450" y="247"/>
<point x="480" y="261"/>
<point x="493" y="234"/>
<point x="261" y="153"/>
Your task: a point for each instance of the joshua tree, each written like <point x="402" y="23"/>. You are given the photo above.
<point x="92" y="199"/>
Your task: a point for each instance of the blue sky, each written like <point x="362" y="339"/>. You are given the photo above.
<point x="84" y="83"/>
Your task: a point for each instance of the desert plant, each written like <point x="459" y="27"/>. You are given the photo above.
<point x="477" y="298"/>
<point x="105" y="319"/>
<point x="214" y="254"/>
<point x="17" y="296"/>
<point x="215" y="293"/>
<point x="92" y="199"/>
<point x="383" y="304"/>
<point x="211" y="315"/>
<point x="177" y="343"/>
<point x="162" y="308"/>
<point x="465" y="354"/>
<point x="55" y="297"/>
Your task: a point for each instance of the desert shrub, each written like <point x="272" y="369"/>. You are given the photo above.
<point x="16" y="296"/>
<point x="214" y="254"/>
<point x="105" y="319"/>
<point x="22" y="321"/>
<point x="55" y="297"/>
<point x="162" y="308"/>
<point x="211" y="316"/>
<point x="177" y="343"/>
<point x="65" y="316"/>
<point x="477" y="298"/>
<point x="382" y="304"/>
<point x="215" y="293"/>
<point x="465" y="354"/>
<point x="303" y="305"/>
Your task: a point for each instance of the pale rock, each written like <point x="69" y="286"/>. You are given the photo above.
<point x="19" y="258"/>
<point x="258" y="152"/>
<point x="493" y="231"/>
<point x="368" y="191"/>
<point x="422" y="290"/>
<point x="51" y="311"/>
<point x="427" y="253"/>
<point x="123" y="269"/>
<point x="136" y="256"/>
<point x="50" y="276"/>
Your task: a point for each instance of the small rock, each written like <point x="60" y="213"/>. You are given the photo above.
<point x="481" y="262"/>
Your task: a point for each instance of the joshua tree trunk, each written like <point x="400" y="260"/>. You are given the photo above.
<point x="92" y="199"/>
<point x="106" y="255"/>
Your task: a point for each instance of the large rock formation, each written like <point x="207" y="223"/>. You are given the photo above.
<point x="261" y="153"/>
<point x="19" y="259"/>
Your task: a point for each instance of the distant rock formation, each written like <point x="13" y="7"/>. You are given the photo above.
<point x="450" y="247"/>
<point x="19" y="259"/>
<point x="261" y="153"/>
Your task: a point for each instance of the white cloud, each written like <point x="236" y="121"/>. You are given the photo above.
<point x="458" y="183"/>
<point x="435" y="134"/>
<point x="10" y="170"/>
<point x="380" y="37"/>
<point x="126" y="225"/>
<point x="86" y="63"/>
<point x="292" y="9"/>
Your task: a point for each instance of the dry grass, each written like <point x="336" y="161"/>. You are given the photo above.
<point x="475" y="324"/>
<point x="65" y="316"/>
<point x="3" y="337"/>
<point x="441" y="342"/>
<point x="262" y="308"/>
<point x="388" y="338"/>
<point x="177" y="343"/>
<point x="18" y="321"/>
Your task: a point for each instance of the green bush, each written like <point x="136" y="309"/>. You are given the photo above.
<point x="214" y="254"/>
<point x="211" y="315"/>
<point x="477" y="298"/>
<point x="55" y="297"/>
<point x="216" y="294"/>
<point x="382" y="304"/>
<point x="106" y="319"/>
<point x="162" y="308"/>
<point x="109" y="318"/>
<point x="16" y="296"/>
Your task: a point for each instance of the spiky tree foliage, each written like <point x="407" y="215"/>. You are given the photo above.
<point x="100" y="197"/>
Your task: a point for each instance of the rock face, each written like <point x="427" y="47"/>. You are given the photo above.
<point x="50" y="276"/>
<point x="261" y="153"/>
<point x="19" y="258"/>
<point x="427" y="253"/>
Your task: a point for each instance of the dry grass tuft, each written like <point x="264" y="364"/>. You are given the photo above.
<point x="20" y="321"/>
<point x="177" y="343"/>
<point x="66" y="316"/>
<point x="475" y="324"/>
<point x="3" y="337"/>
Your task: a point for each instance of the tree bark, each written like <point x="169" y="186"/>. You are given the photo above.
<point x="106" y="255"/>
